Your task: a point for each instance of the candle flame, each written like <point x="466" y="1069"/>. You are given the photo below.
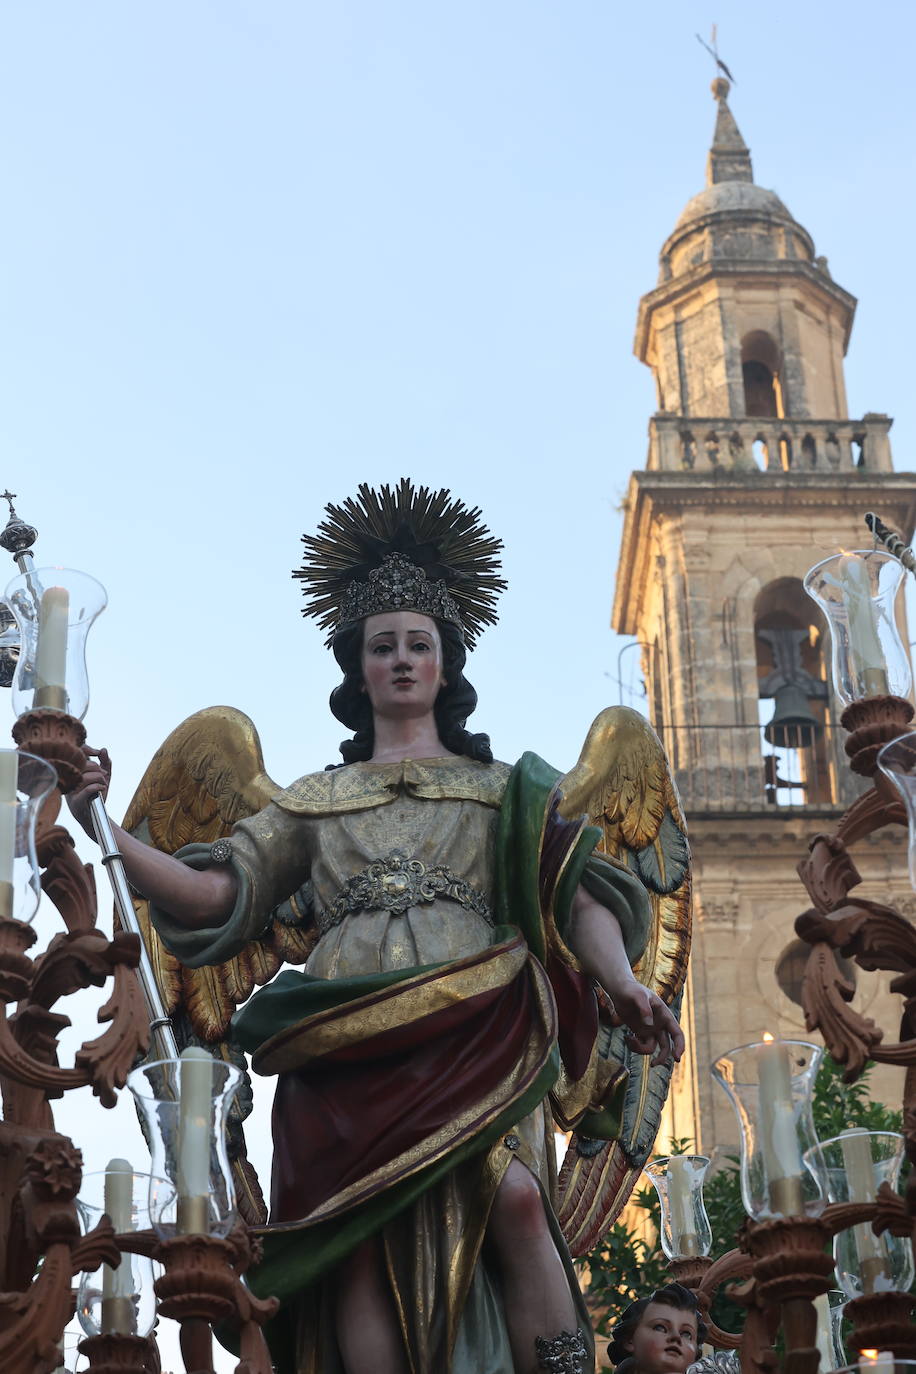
<point x="768" y="1037"/>
<point x="869" y="1354"/>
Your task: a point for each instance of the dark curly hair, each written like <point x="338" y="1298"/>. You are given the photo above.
<point x="672" y="1295"/>
<point x="455" y="702"/>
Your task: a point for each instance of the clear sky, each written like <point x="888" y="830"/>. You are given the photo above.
<point x="258" y="251"/>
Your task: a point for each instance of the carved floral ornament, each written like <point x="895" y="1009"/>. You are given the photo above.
<point x="42" y="1171"/>
<point x="781" y="1265"/>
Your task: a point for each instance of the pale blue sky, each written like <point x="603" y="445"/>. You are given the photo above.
<point x="258" y="252"/>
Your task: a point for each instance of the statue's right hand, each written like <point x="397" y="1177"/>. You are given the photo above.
<point x="93" y="783"/>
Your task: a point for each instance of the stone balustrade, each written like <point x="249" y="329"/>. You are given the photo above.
<point x="679" y="443"/>
<point x="732" y="769"/>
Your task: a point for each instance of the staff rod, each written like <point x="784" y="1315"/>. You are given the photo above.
<point x="160" y="1023"/>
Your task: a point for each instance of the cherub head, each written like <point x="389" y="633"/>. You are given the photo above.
<point x="660" y="1334"/>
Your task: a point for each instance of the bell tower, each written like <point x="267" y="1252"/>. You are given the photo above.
<point x="754" y="473"/>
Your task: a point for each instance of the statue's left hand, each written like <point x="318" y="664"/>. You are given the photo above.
<point x="652" y="1027"/>
<point x="596" y="939"/>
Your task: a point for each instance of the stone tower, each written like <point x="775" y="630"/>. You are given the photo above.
<point x="754" y="473"/>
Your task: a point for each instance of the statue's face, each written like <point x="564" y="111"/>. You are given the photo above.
<point x="402" y="663"/>
<point x="665" y="1341"/>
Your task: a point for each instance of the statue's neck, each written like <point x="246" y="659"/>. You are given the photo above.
<point x="412" y="738"/>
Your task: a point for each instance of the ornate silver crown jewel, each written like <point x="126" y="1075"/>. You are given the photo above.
<point x="398" y="585"/>
<point x="406" y="548"/>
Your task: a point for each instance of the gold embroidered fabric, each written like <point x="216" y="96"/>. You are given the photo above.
<point x="424" y="811"/>
<point x="362" y="785"/>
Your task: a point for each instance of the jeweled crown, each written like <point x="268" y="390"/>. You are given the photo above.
<point x="398" y="585"/>
<point x="403" y="549"/>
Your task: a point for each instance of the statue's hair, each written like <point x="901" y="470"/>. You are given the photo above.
<point x="455" y="702"/>
<point x="672" y="1295"/>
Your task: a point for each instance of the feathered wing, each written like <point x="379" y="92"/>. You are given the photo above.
<point x="207" y="775"/>
<point x="623" y="784"/>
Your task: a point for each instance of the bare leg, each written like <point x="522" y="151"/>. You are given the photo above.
<point x="535" y="1287"/>
<point x="367" y="1326"/>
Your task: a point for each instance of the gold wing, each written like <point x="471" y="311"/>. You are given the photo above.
<point x="207" y="775"/>
<point x="623" y="784"/>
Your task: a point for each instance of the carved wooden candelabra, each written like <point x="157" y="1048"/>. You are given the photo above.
<point x="786" y="1261"/>
<point x="876" y="937"/>
<point x="41" y="1248"/>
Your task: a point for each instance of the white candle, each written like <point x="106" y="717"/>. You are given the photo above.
<point x="51" y="654"/>
<point x="860" y="1173"/>
<point x="877" y="1361"/>
<point x="194" y="1097"/>
<point x="9" y="777"/>
<point x="867" y="653"/>
<point x="861" y="1185"/>
<point x="117" y="1284"/>
<point x="778" y="1136"/>
<point x="824" y="1338"/>
<point x="680" y="1205"/>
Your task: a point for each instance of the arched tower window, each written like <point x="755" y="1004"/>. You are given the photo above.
<point x="796" y="740"/>
<point x="761" y="372"/>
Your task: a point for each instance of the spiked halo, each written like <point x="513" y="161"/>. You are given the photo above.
<point x="406" y="548"/>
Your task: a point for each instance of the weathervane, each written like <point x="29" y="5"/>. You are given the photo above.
<point x="713" y="51"/>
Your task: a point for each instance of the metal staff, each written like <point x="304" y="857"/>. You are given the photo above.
<point x="160" y="1022"/>
<point x="18" y="537"/>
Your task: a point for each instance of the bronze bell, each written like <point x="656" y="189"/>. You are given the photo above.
<point x="794" y="724"/>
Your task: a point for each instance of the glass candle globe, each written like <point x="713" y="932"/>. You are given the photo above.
<point x="185" y="1103"/>
<point x="118" y="1301"/>
<point x="25" y="784"/>
<point x="857" y="1162"/>
<point x="54" y="609"/>
<point x="769" y="1084"/>
<point x="678" y="1180"/>
<point x="71" y="1360"/>
<point x="829" y="1308"/>
<point x="857" y="591"/>
<point x="897" y="761"/>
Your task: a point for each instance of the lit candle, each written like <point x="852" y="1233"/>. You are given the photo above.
<point x="9" y="778"/>
<point x="863" y="632"/>
<point x="118" y="1312"/>
<point x="860" y="1181"/>
<point x="779" y="1139"/>
<point x="877" y="1361"/>
<point x="684" y="1237"/>
<point x="51" y="654"/>
<point x="195" y="1094"/>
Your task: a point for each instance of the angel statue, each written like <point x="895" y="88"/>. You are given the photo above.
<point x="490" y="953"/>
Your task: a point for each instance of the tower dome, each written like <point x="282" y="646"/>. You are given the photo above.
<point x="733" y="219"/>
<point x="744" y="321"/>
